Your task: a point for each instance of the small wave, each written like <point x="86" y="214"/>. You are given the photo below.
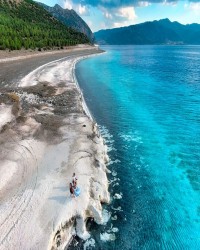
<point x="131" y="137"/>
<point x="105" y="216"/>
<point x="89" y="244"/>
<point x="114" y="173"/>
<point x="117" y="209"/>
<point x="114" y="217"/>
<point x="113" y="162"/>
<point x="107" y="237"/>
<point x="107" y="136"/>
<point x="113" y="229"/>
<point x="114" y="180"/>
<point x="118" y="196"/>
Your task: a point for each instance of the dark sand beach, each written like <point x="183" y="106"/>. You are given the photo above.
<point x="15" y="65"/>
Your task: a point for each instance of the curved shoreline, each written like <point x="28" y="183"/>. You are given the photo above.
<point x="78" y="86"/>
<point x="52" y="137"/>
<point x="21" y="67"/>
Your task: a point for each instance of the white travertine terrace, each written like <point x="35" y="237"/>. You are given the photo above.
<point x="36" y="210"/>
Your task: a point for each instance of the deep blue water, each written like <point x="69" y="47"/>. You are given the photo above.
<point x="146" y="100"/>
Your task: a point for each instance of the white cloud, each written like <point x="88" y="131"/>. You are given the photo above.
<point x="122" y="24"/>
<point x="103" y="25"/>
<point x="68" y="4"/>
<point x="171" y="3"/>
<point x="79" y="8"/>
<point x="194" y="7"/>
<point x="90" y="24"/>
<point x="126" y="12"/>
<point x="118" y="17"/>
<point x="113" y="16"/>
<point x="144" y="4"/>
<point x="82" y="10"/>
<point x="107" y="14"/>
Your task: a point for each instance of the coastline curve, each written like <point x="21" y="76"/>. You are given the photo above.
<point x="49" y="124"/>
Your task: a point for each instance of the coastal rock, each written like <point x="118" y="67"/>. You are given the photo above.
<point x="43" y="142"/>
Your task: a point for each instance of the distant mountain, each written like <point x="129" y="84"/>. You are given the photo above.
<point x="26" y="24"/>
<point x="71" y="19"/>
<point x="157" y="32"/>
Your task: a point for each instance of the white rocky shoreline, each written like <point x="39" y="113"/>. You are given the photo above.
<point x="46" y="136"/>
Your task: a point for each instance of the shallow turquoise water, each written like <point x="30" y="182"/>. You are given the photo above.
<point x="146" y="100"/>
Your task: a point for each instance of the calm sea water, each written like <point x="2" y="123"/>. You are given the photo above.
<point x="146" y="100"/>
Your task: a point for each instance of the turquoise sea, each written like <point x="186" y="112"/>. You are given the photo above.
<point x="146" y="100"/>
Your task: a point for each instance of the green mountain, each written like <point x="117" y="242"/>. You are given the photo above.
<point x="157" y="32"/>
<point x="71" y="19"/>
<point x="24" y="23"/>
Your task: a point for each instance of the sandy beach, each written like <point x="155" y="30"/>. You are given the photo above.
<point x="46" y="136"/>
<point x="15" y="65"/>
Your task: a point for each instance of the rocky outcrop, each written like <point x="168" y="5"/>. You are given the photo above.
<point x="70" y="18"/>
<point x="46" y="136"/>
<point x="88" y="160"/>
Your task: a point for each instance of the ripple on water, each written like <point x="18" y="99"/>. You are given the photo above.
<point x="148" y="107"/>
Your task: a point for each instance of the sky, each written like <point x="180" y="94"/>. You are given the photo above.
<point x="105" y="14"/>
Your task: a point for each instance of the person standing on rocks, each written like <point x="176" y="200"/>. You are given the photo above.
<point x="76" y="189"/>
<point x="74" y="180"/>
<point x="71" y="189"/>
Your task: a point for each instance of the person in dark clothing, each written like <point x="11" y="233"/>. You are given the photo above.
<point x="74" y="181"/>
<point x="71" y="189"/>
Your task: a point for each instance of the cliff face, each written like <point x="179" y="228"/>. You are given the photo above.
<point x="71" y="19"/>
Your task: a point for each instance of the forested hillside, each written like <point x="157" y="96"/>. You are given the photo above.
<point x="70" y="18"/>
<point x="25" y="24"/>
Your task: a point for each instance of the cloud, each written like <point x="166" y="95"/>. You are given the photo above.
<point x="143" y="3"/>
<point x="81" y="9"/>
<point x="122" y="24"/>
<point x="126" y="12"/>
<point x="118" y="17"/>
<point x="68" y="4"/>
<point x="171" y="3"/>
<point x="113" y="16"/>
<point x="122" y="3"/>
<point x="118" y="13"/>
<point x="194" y="7"/>
<point x="106" y="13"/>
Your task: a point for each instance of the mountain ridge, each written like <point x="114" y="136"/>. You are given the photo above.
<point x="70" y="18"/>
<point x="161" y="31"/>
